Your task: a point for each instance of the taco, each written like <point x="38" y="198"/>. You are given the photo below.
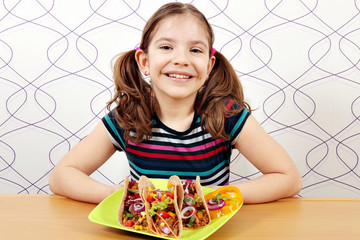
<point x="162" y="210"/>
<point x="194" y="211"/>
<point x="132" y="208"/>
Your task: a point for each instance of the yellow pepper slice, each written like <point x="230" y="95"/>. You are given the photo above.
<point x="232" y="197"/>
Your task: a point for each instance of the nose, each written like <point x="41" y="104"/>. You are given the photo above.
<point x="181" y="57"/>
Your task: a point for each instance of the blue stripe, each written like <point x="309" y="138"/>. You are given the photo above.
<point x="239" y="122"/>
<point x="113" y="128"/>
<point x="179" y="173"/>
<point x="198" y="120"/>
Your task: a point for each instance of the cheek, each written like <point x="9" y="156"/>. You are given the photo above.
<point x="205" y="70"/>
<point x="157" y="64"/>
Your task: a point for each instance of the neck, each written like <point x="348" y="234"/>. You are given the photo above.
<point x="177" y="115"/>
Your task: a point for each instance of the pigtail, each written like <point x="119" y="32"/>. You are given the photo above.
<point x="222" y="86"/>
<point x="132" y="97"/>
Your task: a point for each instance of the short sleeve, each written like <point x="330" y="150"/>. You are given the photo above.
<point x="115" y="132"/>
<point x="234" y="125"/>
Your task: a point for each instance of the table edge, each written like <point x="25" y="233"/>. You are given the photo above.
<point x="55" y="196"/>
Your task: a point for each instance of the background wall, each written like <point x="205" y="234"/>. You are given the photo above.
<point x="298" y="61"/>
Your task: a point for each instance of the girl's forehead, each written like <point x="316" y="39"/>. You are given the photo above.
<point x="188" y="24"/>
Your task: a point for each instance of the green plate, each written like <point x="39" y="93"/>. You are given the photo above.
<point x="106" y="214"/>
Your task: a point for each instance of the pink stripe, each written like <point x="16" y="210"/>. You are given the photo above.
<point x="230" y="103"/>
<point x="177" y="149"/>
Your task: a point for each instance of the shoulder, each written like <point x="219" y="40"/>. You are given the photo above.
<point x="235" y="123"/>
<point x="115" y="132"/>
<point x="238" y="118"/>
<point x="110" y="121"/>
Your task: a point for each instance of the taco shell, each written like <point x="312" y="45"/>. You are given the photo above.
<point x="144" y="182"/>
<point x="200" y="194"/>
<point x="176" y="182"/>
<point x="122" y="203"/>
<point x="122" y="207"/>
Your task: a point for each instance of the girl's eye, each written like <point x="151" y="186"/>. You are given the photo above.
<point x="165" y="47"/>
<point x="196" y="50"/>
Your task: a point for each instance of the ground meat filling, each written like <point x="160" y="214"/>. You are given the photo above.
<point x="171" y="208"/>
<point x="197" y="223"/>
<point x="137" y="216"/>
<point x="204" y="221"/>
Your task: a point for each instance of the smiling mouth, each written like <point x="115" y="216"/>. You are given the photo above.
<point x="178" y="76"/>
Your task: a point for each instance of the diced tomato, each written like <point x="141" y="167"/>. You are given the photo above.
<point x="163" y="214"/>
<point x="194" y="206"/>
<point x="149" y="199"/>
<point x="170" y="194"/>
<point x="137" y="195"/>
<point x="129" y="223"/>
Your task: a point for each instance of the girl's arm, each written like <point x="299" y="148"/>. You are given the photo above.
<point x="280" y="177"/>
<point x="70" y="177"/>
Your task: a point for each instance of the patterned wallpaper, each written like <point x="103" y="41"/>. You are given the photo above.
<point x="298" y="61"/>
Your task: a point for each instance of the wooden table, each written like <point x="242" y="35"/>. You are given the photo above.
<point x="54" y="217"/>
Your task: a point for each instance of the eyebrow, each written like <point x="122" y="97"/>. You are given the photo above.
<point x="195" y="42"/>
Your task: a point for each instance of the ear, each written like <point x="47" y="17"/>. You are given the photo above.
<point x="142" y="61"/>
<point x="211" y="64"/>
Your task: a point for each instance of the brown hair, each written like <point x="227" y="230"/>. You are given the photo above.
<point x="135" y="100"/>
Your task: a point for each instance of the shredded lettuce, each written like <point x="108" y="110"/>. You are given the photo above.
<point x="128" y="215"/>
<point x="133" y="191"/>
<point x="191" y="222"/>
<point x="159" y="206"/>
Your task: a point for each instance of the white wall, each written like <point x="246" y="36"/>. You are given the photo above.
<point x="298" y="62"/>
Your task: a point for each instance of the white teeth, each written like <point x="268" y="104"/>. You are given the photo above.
<point x="179" y="76"/>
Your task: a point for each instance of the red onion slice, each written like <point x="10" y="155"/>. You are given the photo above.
<point x="186" y="185"/>
<point x="159" y="195"/>
<point x="212" y="202"/>
<point x="216" y="206"/>
<point x="165" y="229"/>
<point x="138" y="207"/>
<point x="190" y="200"/>
<point x="132" y="201"/>
<point x="132" y="183"/>
<point x="188" y="181"/>
<point x="190" y="209"/>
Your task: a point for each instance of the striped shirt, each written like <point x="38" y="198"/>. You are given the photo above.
<point x="186" y="154"/>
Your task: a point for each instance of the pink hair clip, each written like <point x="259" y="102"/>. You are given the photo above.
<point x="137" y="48"/>
<point x="213" y="50"/>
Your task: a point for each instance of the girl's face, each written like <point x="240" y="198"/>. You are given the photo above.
<point x="178" y="58"/>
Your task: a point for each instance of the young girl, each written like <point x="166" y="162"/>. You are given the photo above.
<point x="184" y="122"/>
